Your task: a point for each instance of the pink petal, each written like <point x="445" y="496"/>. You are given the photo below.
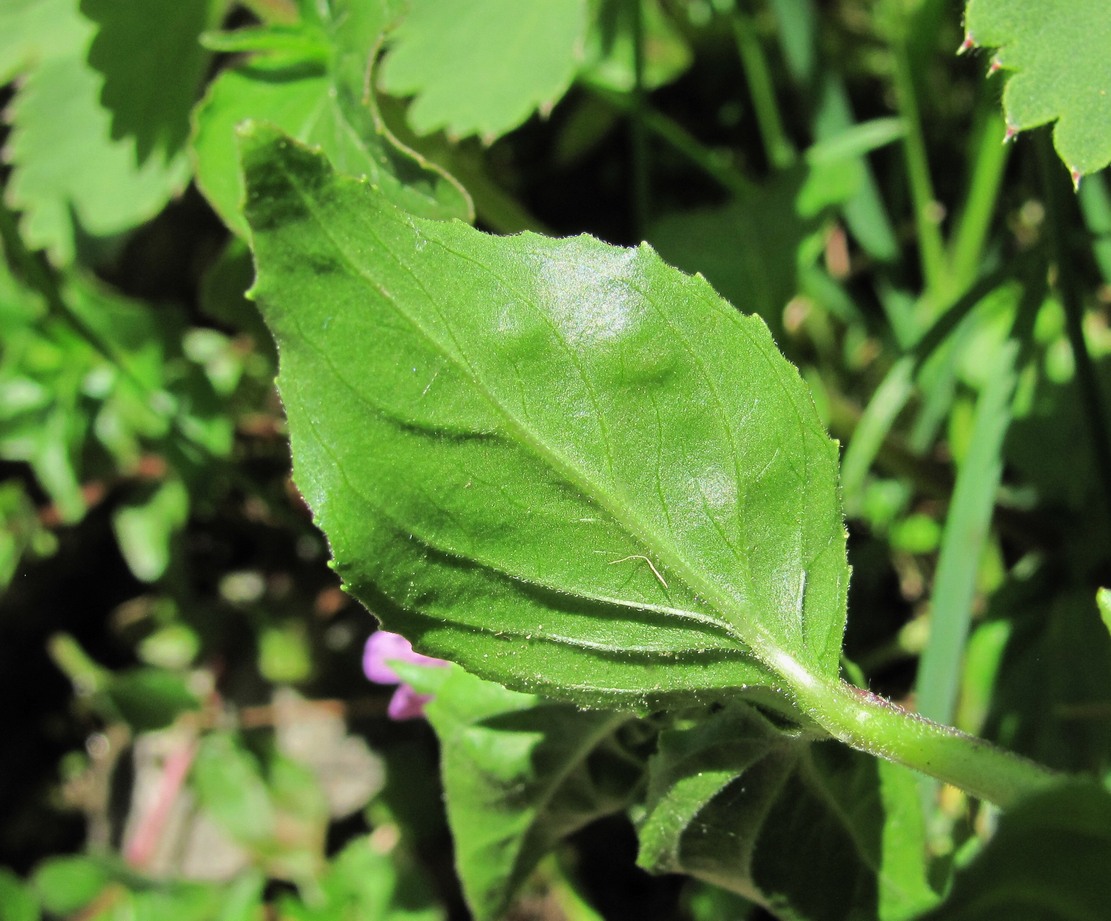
<point x="407" y="704"/>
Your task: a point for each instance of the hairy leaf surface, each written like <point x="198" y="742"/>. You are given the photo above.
<point x="565" y="465"/>
<point x="1055" y="53"/>
<point x="520" y="773"/>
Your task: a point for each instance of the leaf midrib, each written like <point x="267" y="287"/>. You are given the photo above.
<point x="756" y="640"/>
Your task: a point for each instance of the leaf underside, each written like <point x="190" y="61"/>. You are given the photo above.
<point x="564" y="465"/>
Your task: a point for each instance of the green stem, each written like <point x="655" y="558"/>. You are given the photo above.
<point x="679" y="139"/>
<point x="780" y="152"/>
<point x="877" y="726"/>
<point x="926" y="209"/>
<point x="991" y="154"/>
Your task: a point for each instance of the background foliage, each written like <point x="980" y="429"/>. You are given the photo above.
<point x="190" y="734"/>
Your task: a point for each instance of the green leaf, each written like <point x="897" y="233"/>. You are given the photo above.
<point x="77" y="186"/>
<point x="17" y="900"/>
<point x="1055" y="53"/>
<point x="1044" y="705"/>
<point x="751" y="250"/>
<point x="67" y="884"/>
<point x="313" y="89"/>
<point x="150" y="698"/>
<point x="280" y="816"/>
<point x="153" y="64"/>
<point x="229" y="786"/>
<point x="520" y="773"/>
<point x="1047" y="861"/>
<point x="145" y="529"/>
<point x="610" y="46"/>
<point x="485" y="66"/>
<point x="810" y="831"/>
<point x="1103" y="602"/>
<point x="565" y="465"/>
<point x="364" y="884"/>
<point x="27" y="28"/>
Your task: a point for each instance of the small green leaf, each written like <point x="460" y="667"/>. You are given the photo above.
<point x="1047" y="861"/>
<point x="565" y="465"/>
<point x="145" y="529"/>
<point x="68" y="884"/>
<point x="230" y="787"/>
<point x="1103" y="601"/>
<point x="18" y="901"/>
<point x="752" y="249"/>
<point x="1055" y="53"/>
<point x="364" y="884"/>
<point x="520" y="773"/>
<point x="740" y="804"/>
<point x="485" y="66"/>
<point x="150" y="698"/>
<point x="309" y="81"/>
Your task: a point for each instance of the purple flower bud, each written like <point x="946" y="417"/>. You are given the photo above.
<point x="383" y="648"/>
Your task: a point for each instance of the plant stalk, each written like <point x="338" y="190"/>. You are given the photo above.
<point x="875" y="725"/>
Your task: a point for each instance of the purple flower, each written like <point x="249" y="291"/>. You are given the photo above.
<point x="383" y="648"/>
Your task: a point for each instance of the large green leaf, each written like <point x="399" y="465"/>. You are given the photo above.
<point x="520" y="773"/>
<point x="309" y="80"/>
<point x="565" y="465"/>
<point x="1060" y="71"/>
<point x="731" y="798"/>
<point x="485" y="66"/>
<point x="1047" y="861"/>
<point x="72" y="180"/>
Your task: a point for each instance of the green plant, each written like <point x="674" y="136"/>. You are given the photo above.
<point x="583" y="473"/>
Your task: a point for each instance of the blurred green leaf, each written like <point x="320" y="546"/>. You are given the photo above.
<point x="145" y="528"/>
<point x="812" y="831"/>
<point x="67" y="884"/>
<point x="1103" y="602"/>
<point x="172" y="646"/>
<point x="77" y="186"/>
<point x="520" y="773"/>
<point x="609" y="47"/>
<point x="152" y="62"/>
<point x="283" y="653"/>
<point x="280" y="814"/>
<point x="230" y="787"/>
<point x="1047" y="861"/>
<point x="315" y="91"/>
<point x="485" y="67"/>
<point x="364" y="883"/>
<point x="751" y="250"/>
<point x="18" y="901"/>
<point x="150" y="698"/>
<point x="1052" y="697"/>
<point x="1058" y="70"/>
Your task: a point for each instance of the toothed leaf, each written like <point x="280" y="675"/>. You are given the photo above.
<point x="1056" y="55"/>
<point x="565" y="465"/>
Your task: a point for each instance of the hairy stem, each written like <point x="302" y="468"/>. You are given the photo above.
<point x="874" y="725"/>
